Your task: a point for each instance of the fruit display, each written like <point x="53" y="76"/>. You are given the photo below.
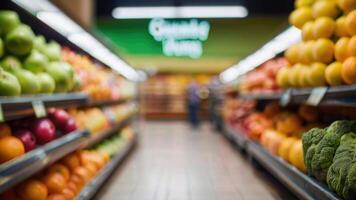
<point x="20" y="136"/>
<point x="67" y="177"/>
<point x="30" y="65"/>
<point x="263" y="79"/>
<point x="96" y="80"/>
<point x="327" y="55"/>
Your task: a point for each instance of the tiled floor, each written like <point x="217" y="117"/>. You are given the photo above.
<point x="172" y="162"/>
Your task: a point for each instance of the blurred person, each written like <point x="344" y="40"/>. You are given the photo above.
<point x="193" y="104"/>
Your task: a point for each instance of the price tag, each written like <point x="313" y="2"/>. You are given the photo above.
<point x="2" y="118"/>
<point x="316" y="95"/>
<point x="39" y="108"/>
<point x="285" y="98"/>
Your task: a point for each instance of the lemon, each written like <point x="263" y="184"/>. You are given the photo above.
<point x="300" y="16"/>
<point x="341" y="48"/>
<point x="333" y="74"/>
<point x="323" y="27"/>
<point x="307" y="31"/>
<point x="340" y="28"/>
<point x="325" y="9"/>
<point x="323" y="50"/>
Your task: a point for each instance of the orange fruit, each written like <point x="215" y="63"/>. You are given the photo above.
<point x="333" y="74"/>
<point x="105" y="156"/>
<point x="32" y="189"/>
<point x="11" y="147"/>
<point x="325" y="9"/>
<point x="55" y="182"/>
<point x="306" y="52"/>
<point x="351" y="49"/>
<point x="68" y="194"/>
<point x="71" y="185"/>
<point x="56" y="197"/>
<point x="59" y="168"/>
<point x="92" y="169"/>
<point x="341" y="48"/>
<point x="348" y="71"/>
<point x="351" y="22"/>
<point x="340" y="28"/>
<point x="323" y="50"/>
<point x="83" y="173"/>
<point x="5" y="130"/>
<point x="300" y="16"/>
<point x="323" y="27"/>
<point x="347" y="5"/>
<point x="77" y="180"/>
<point x="316" y="74"/>
<point x="307" y="31"/>
<point x="71" y="161"/>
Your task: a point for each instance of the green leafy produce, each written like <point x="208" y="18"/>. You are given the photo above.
<point x="341" y="176"/>
<point x="310" y="139"/>
<point x="63" y="75"/>
<point x="47" y="84"/>
<point x="9" y="20"/>
<point x="20" y="40"/>
<point x="326" y="148"/>
<point x="9" y="85"/>
<point x="36" y="62"/>
<point x="10" y="63"/>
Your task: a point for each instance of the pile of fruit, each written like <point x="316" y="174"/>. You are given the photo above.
<point x="21" y="136"/>
<point x="327" y="55"/>
<point x="65" y="179"/>
<point x="263" y="79"/>
<point x="330" y="156"/>
<point x="29" y="65"/>
<point x="97" y="81"/>
<point x="121" y="112"/>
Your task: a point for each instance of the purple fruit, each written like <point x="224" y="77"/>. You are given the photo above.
<point x="59" y="117"/>
<point x="27" y="138"/>
<point x="44" y="130"/>
<point x="70" y="126"/>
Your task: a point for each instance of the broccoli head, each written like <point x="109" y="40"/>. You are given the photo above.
<point x="341" y="176"/>
<point x="326" y="148"/>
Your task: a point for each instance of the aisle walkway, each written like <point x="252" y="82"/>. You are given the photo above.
<point x="173" y="163"/>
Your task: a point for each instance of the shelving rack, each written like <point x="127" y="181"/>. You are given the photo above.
<point x="44" y="18"/>
<point x="303" y="186"/>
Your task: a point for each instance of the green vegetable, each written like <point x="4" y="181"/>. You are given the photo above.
<point x="326" y="148"/>
<point x="341" y="176"/>
<point x="310" y="139"/>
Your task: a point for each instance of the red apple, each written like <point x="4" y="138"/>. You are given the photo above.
<point x="59" y="117"/>
<point x="27" y="138"/>
<point x="44" y="130"/>
<point x="70" y="126"/>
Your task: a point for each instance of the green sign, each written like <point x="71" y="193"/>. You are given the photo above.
<point x="180" y="38"/>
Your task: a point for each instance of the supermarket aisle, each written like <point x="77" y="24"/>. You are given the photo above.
<point x="173" y="163"/>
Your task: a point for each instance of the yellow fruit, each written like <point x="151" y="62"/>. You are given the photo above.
<point x="292" y="53"/>
<point x="303" y="74"/>
<point x="325" y="9"/>
<point x="323" y="50"/>
<point x="306" y="52"/>
<point x="284" y="148"/>
<point x="300" y="16"/>
<point x="323" y="27"/>
<point x="317" y="74"/>
<point x="302" y="3"/>
<point x="333" y="74"/>
<point x="307" y="31"/>
<point x="351" y="49"/>
<point x="283" y="77"/>
<point x="340" y="28"/>
<point x="341" y="47"/>
<point x="351" y="22"/>
<point x="348" y="71"/>
<point x="294" y="74"/>
<point x="296" y="156"/>
<point x="347" y="5"/>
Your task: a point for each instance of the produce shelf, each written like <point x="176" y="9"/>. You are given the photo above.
<point x="100" y="136"/>
<point x="90" y="190"/>
<point x="343" y="95"/>
<point x="22" y="106"/>
<point x="34" y="161"/>
<point x="302" y="185"/>
<point x="93" y="103"/>
<point x="238" y="138"/>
